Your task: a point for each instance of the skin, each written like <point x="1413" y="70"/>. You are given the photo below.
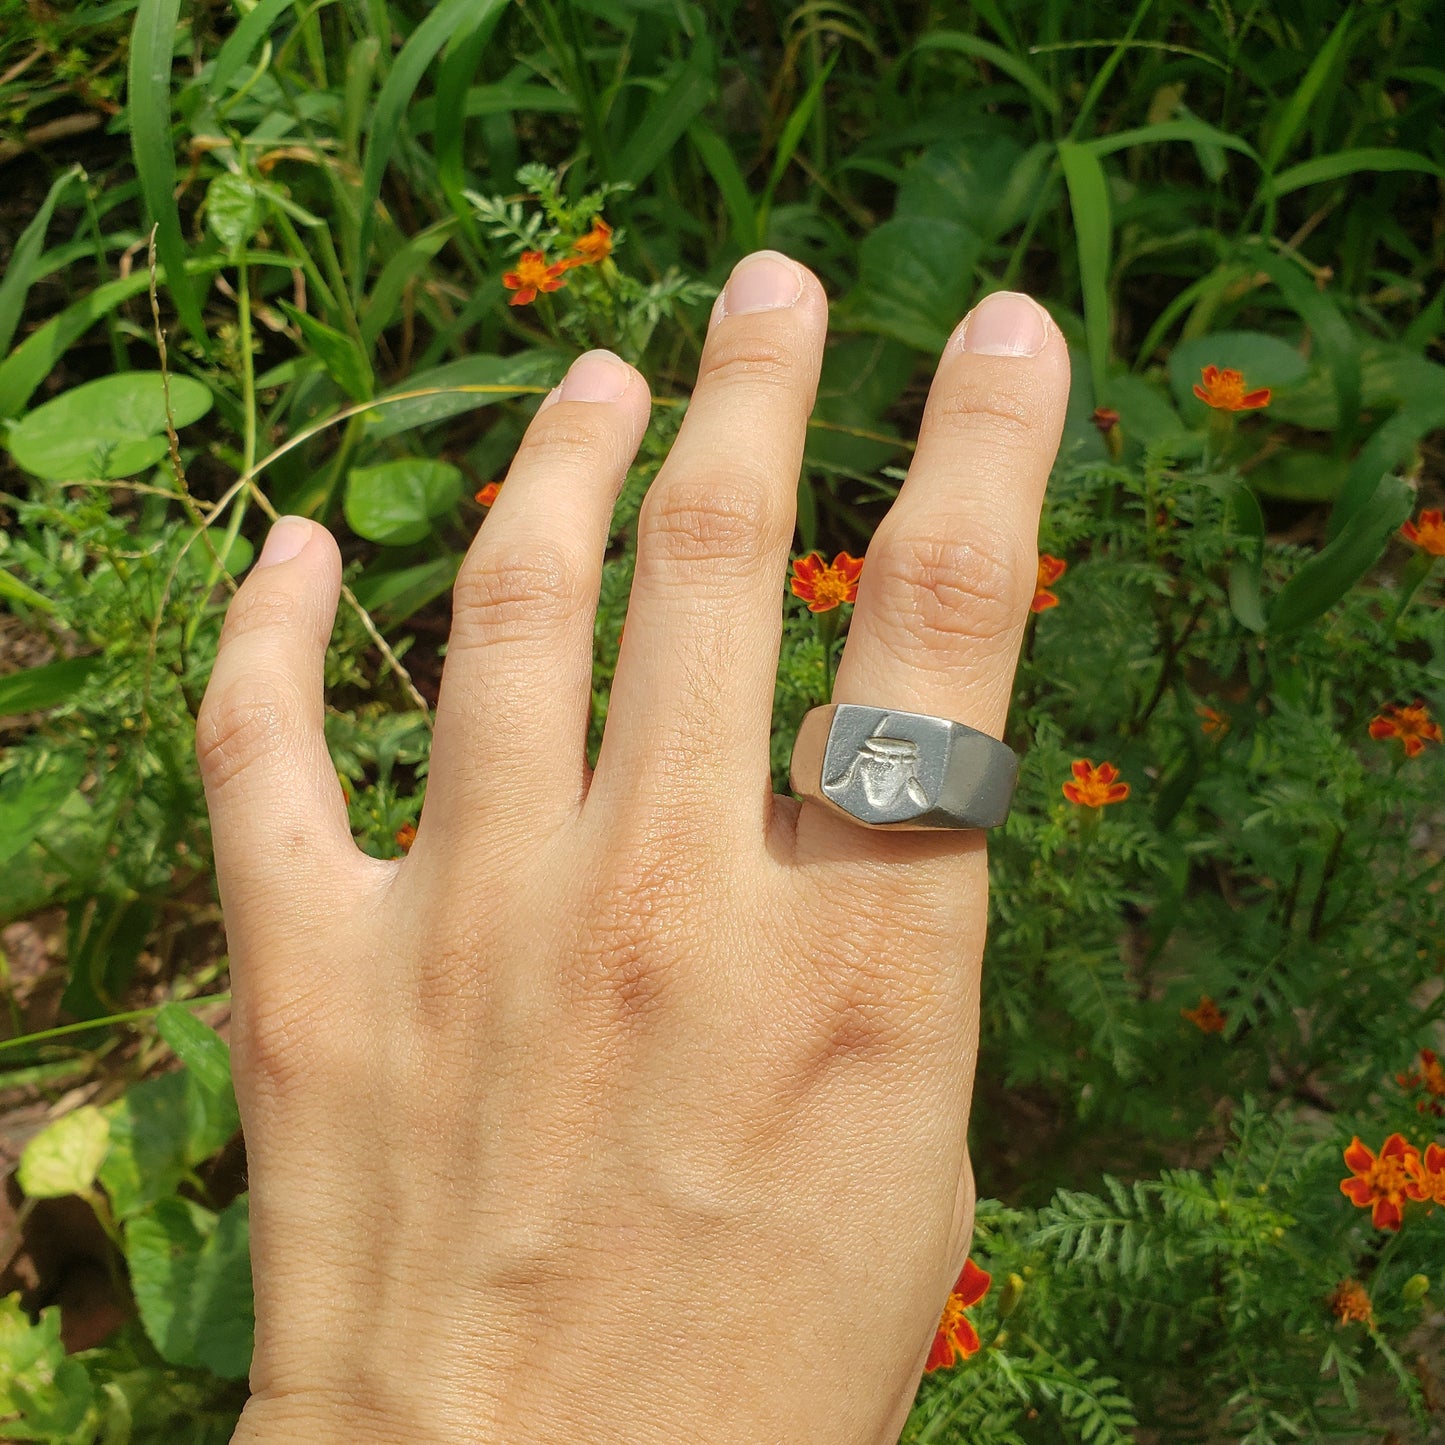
<point x="631" y="1105"/>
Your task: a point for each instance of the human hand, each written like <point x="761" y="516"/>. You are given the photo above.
<point x="631" y="1105"/>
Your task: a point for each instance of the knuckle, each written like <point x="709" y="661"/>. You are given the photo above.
<point x="1008" y="415"/>
<point x="938" y="589"/>
<point x="748" y="356"/>
<point x="707" y="521"/>
<point x="562" y="441"/>
<point x="240" y="724"/>
<point x="514" y="594"/>
<point x="264" y="609"/>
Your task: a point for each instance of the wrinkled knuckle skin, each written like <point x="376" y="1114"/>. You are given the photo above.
<point x="743" y="355"/>
<point x="974" y="404"/>
<point x="243" y="724"/>
<point x="265" y="609"/>
<point x="564" y="443"/>
<point x="517" y="595"/>
<point x="708" y="522"/>
<point x="933" y="590"/>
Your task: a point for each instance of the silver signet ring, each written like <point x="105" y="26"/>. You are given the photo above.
<point x="888" y="769"/>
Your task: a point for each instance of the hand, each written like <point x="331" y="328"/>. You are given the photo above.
<point x="632" y="1105"/>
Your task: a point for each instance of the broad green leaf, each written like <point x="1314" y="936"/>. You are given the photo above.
<point x="50" y="1393"/>
<point x="394" y="503"/>
<point x="914" y="281"/>
<point x="191" y="1273"/>
<point x="233" y="210"/>
<point x="105" y="934"/>
<point x="510" y="375"/>
<point x="397" y="595"/>
<point x="1263" y="360"/>
<point x="986" y="182"/>
<point x="21" y="269"/>
<point x="1336" y="166"/>
<point x="198" y="1046"/>
<point x="345" y="362"/>
<point x="148" y="105"/>
<point x="37" y="689"/>
<point x="1299" y="474"/>
<point x="15" y="590"/>
<point x="1094" y="236"/>
<point x="1326" y="577"/>
<point x="32" y="793"/>
<point x="1247" y="518"/>
<point x="114" y="426"/>
<point x="64" y="1157"/>
<point x="160" y="1130"/>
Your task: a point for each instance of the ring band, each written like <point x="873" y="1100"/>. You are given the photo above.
<point x="887" y="769"/>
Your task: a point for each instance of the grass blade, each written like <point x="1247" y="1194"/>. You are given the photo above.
<point x="148" y="95"/>
<point x="21" y="272"/>
<point x="459" y="67"/>
<point x="717" y="156"/>
<point x="685" y="92"/>
<point x="1349" y="163"/>
<point x="995" y="55"/>
<point x="243" y="40"/>
<point x="1094" y="230"/>
<point x="1293" y="117"/>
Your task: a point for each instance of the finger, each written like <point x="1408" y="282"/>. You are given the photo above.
<point x="278" y="816"/>
<point x="951" y="571"/>
<point x="691" y="706"/>
<point x="516" y="694"/>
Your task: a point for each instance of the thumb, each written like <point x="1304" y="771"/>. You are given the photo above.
<point x="278" y="817"/>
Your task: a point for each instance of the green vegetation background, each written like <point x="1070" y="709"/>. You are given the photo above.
<point x="335" y="191"/>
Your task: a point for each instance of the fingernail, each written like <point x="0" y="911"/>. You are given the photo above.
<point x="595" y="376"/>
<point x="1007" y="323"/>
<point x="764" y="281"/>
<point x="284" y="540"/>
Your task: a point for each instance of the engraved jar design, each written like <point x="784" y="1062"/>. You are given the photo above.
<point x="887" y="769"/>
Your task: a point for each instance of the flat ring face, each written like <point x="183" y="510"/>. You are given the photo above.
<point x="883" y="768"/>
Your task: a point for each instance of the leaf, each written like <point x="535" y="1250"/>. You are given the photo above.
<point x="32" y="793"/>
<point x="1326" y="577"/>
<point x="397" y="595"/>
<point x="444" y="20"/>
<point x="111" y="427"/>
<point x="385" y="299"/>
<point x="1094" y="233"/>
<point x="1348" y="163"/>
<point x="18" y="591"/>
<point x="199" y="1047"/>
<point x="1245" y="573"/>
<point x="233" y="210"/>
<point x="717" y="155"/>
<point x="394" y="503"/>
<point x="191" y="1273"/>
<point x="1196" y="132"/>
<point x="159" y="1130"/>
<point x="1297" y="108"/>
<point x="1263" y="360"/>
<point x="914" y="281"/>
<point x="243" y="40"/>
<point x="64" y="1157"/>
<point x="148" y="99"/>
<point x="50" y="1393"/>
<point x="452" y="110"/>
<point x="21" y="270"/>
<point x="38" y="689"/>
<point x="345" y="362"/>
<point x="525" y="370"/>
<point x="1016" y="69"/>
<point x="683" y="93"/>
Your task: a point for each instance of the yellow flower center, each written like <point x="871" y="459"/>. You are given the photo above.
<point x="831" y="586"/>
<point x="1386" y="1176"/>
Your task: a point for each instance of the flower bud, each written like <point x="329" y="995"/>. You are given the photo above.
<point x="1414" y="1290"/>
<point x="1011" y="1294"/>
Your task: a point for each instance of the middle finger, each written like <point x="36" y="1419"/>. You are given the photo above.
<point x="691" y="708"/>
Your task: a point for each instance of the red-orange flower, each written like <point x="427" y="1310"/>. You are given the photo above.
<point x="1105" y="418"/>
<point x="1214" y="720"/>
<point x="956" y="1338"/>
<point x="1428" y="534"/>
<point x="823" y="585"/>
<point x="406" y="836"/>
<point x="595" y="246"/>
<point x="1351" y="1301"/>
<point x="488" y="494"/>
<point x="1050" y="570"/>
<point x="1412" y="725"/>
<point x="1206" y="1015"/>
<point x="1431" y="1078"/>
<point x="1380" y="1183"/>
<point x="533" y="274"/>
<point x="1427" y="1175"/>
<point x="1224" y="391"/>
<point x="1094" y="787"/>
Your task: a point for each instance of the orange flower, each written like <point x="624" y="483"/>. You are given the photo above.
<point x="1224" y="391"/>
<point x="1214" y="720"/>
<point x="1412" y="725"/>
<point x="956" y="1338"/>
<point x="1380" y="1184"/>
<point x="1351" y="1301"/>
<point x="406" y="836"/>
<point x="488" y="494"/>
<point x="823" y="585"/>
<point x="532" y="275"/>
<point x="1050" y="570"/>
<point x="1431" y="1078"/>
<point x="1105" y="418"/>
<point x="1427" y="1175"/>
<point x="1429" y="533"/>
<point x="1206" y="1015"/>
<point x="1094" y="787"/>
<point x="595" y="246"/>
